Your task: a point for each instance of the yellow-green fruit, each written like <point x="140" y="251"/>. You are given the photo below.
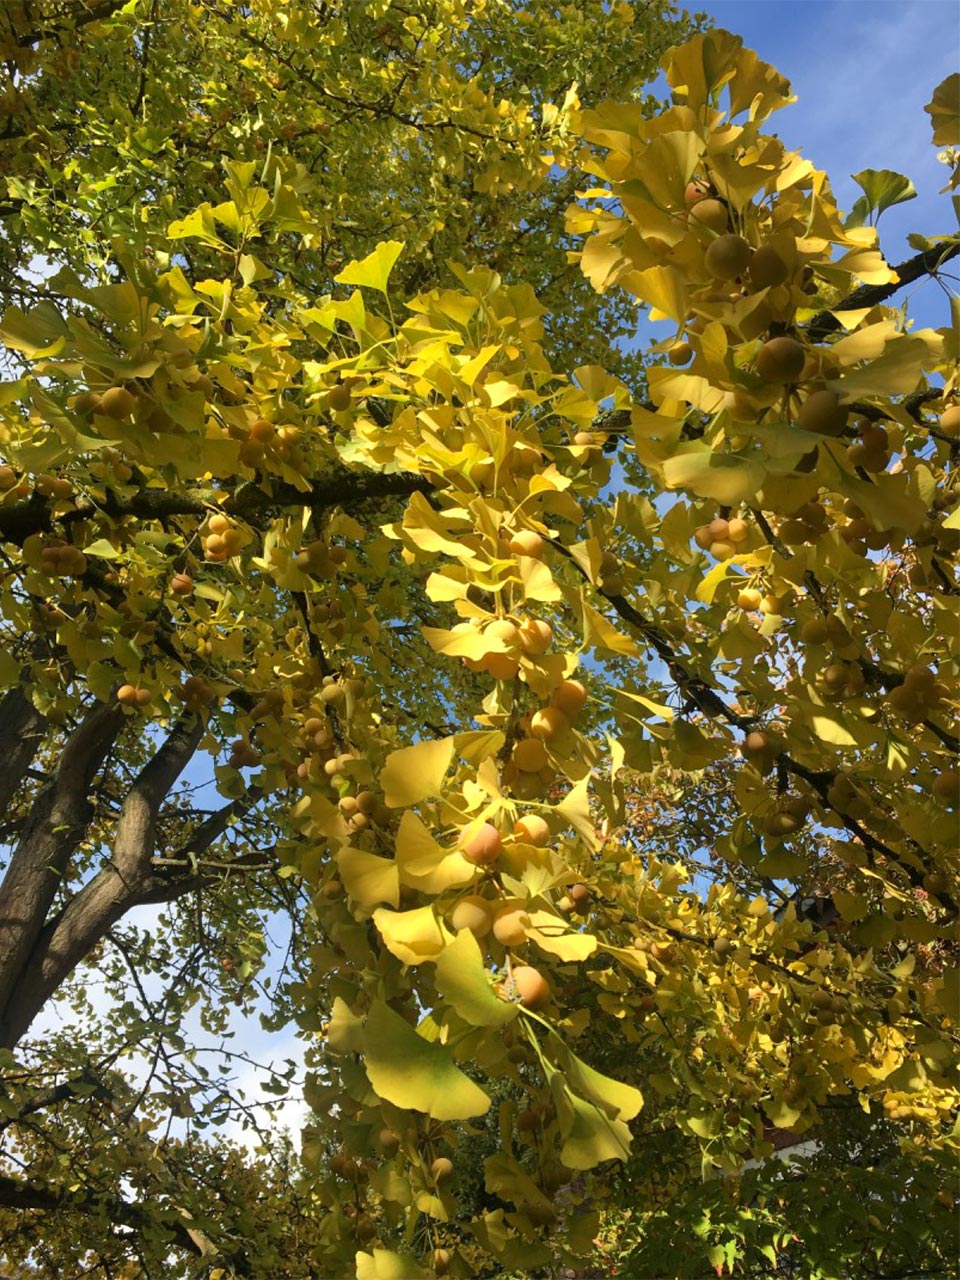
<point x="441" y="1170"/>
<point x="737" y="530"/>
<point x="527" y="543"/>
<point x="780" y="360"/>
<point x="472" y="913"/>
<point x="510" y="926"/>
<point x="822" y="412"/>
<point x="570" y="696"/>
<point x="815" y="631"/>
<point x="727" y="257"/>
<point x="695" y="191"/>
<point x="339" y="399"/>
<point x="712" y="214"/>
<point x="549" y="723"/>
<point x="535" y="636"/>
<point x="680" y="353"/>
<point x="749" y="599"/>
<point x="950" y="421"/>
<point x="530" y="755"/>
<point x="767" y="268"/>
<point x="117" y="402"/>
<point x="532" y="829"/>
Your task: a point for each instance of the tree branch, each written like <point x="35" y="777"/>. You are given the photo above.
<point x="343" y="488"/>
<point x="58" y="819"/>
<point x="63" y="942"/>
<point x="21" y="732"/>
<point x="871" y="295"/>
<point x="25" y="1196"/>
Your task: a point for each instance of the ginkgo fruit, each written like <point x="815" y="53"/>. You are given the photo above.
<point x="482" y="845"/>
<point x="117" y="402"/>
<point x="181" y="584"/>
<point x="780" y="360"/>
<point x="532" y="829"/>
<point x="473" y="913"/>
<point x="530" y="755"/>
<point x="535" y="636"/>
<point x="728" y="256"/>
<point x="527" y="542"/>
<point x="339" y="398"/>
<point x="823" y="413"/>
<point x="531" y="986"/>
<point x="510" y="926"/>
<point x="767" y="269"/>
<point x="441" y="1170"/>
<point x="579" y="895"/>
<point x="129" y="695"/>
<point x="712" y="214"/>
<point x="549" y="723"/>
<point x="570" y="696"/>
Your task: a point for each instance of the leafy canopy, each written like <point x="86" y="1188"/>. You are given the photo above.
<point x="372" y="544"/>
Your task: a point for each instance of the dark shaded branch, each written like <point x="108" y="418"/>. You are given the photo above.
<point x="342" y="489"/>
<point x="58" y="820"/>
<point x="926" y="263"/>
<point x="27" y="1196"/>
<point x="63" y="942"/>
<point x="21" y="732"/>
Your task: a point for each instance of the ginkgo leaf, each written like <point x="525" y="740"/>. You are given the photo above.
<point x="368" y="878"/>
<point x="413" y="936"/>
<point x="373" y="271"/>
<point x="424" y="864"/>
<point x="384" y="1264"/>
<point x="944" y="112"/>
<point x="411" y="1072"/>
<point x="463" y="980"/>
<point x="591" y="1136"/>
<point x="414" y="773"/>
<point x="344" y="1032"/>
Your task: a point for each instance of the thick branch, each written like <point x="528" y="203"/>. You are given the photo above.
<point x="927" y="263"/>
<point x="57" y="822"/>
<point x="21" y="732"/>
<point x="26" y="1196"/>
<point x="343" y="489"/>
<point x="120" y="885"/>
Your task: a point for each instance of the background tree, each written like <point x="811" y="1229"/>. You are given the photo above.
<point x="436" y="710"/>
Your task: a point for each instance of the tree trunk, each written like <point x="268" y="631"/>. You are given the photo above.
<point x="37" y="953"/>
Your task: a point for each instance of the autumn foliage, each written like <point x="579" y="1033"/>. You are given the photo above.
<point x="470" y="623"/>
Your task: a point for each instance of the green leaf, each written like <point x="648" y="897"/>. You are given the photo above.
<point x="720" y="476"/>
<point x="591" y="1136"/>
<point x="102" y="549"/>
<point x="373" y="271"/>
<point x="406" y="1070"/>
<point x="882" y="189"/>
<point x="621" y="1100"/>
<point x="464" y="982"/>
<point x="37" y="333"/>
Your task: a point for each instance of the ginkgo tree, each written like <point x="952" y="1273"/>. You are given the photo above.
<point x="462" y="622"/>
